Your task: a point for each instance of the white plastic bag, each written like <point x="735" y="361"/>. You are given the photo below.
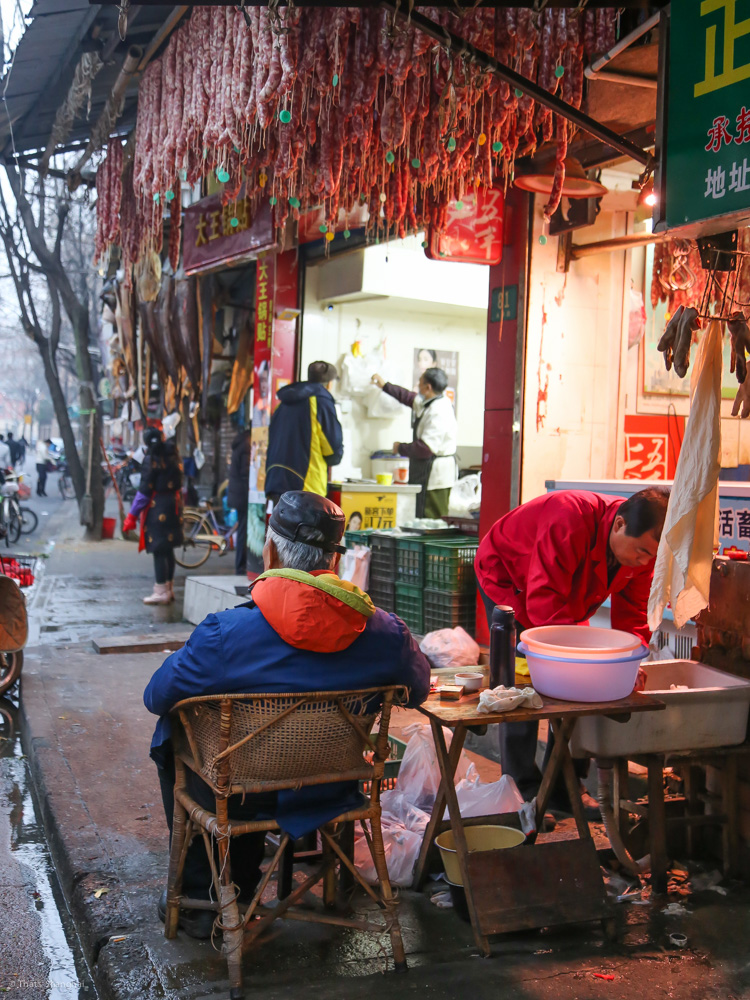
<point x="355" y="566"/>
<point x="495" y="797"/>
<point x="419" y="774"/>
<point x="466" y="496"/>
<point x="450" y="647"/>
<point x="401" y="852"/>
<point x="380" y="405"/>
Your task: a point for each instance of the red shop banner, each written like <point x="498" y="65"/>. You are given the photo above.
<point x="473" y="230"/>
<point x="652" y="445"/>
<point x="265" y="283"/>
<point x="216" y="234"/>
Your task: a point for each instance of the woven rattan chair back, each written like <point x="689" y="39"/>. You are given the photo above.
<point x="260" y="742"/>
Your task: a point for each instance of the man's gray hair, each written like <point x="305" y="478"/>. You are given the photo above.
<point x="298" y="555"/>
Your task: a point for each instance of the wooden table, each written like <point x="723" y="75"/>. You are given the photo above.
<point x="534" y="885"/>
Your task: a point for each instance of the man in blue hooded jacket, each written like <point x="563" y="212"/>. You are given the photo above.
<point x="304" y="630"/>
<point x="304" y="438"/>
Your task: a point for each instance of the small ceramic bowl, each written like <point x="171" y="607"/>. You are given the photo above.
<point x="470" y="680"/>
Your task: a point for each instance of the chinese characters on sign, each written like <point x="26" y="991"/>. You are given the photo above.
<point x="734" y="523"/>
<point x="473" y="230"/>
<point x="646" y="456"/>
<point x="216" y="233"/>
<point x="262" y="383"/>
<point x="377" y="510"/>
<point x="709" y="118"/>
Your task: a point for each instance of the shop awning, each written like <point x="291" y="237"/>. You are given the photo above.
<point x="45" y="61"/>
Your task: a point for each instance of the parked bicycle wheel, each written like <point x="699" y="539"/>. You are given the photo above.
<point x="29" y="520"/>
<point x="11" y="521"/>
<point x="65" y="484"/>
<point x="196" y="545"/>
<point x="10" y="670"/>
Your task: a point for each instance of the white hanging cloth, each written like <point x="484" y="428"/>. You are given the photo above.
<point x="682" y="573"/>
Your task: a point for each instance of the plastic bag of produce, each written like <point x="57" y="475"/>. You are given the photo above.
<point x="450" y="647"/>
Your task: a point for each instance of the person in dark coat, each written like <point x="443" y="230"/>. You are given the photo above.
<point x="239" y="479"/>
<point x="303" y="630"/>
<point x="305" y="438"/>
<point x="159" y="501"/>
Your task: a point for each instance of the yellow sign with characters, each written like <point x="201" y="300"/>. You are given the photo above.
<point x="733" y="68"/>
<point x="368" y="510"/>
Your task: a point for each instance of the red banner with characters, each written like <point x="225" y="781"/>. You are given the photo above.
<point x="473" y="230"/>
<point x="265" y="280"/>
<point x="652" y="445"/>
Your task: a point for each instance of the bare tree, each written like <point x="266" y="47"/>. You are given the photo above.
<point x="33" y="233"/>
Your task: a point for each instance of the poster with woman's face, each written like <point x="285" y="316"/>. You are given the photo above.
<point x="427" y="357"/>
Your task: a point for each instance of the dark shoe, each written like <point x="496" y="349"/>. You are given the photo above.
<point x="197" y="924"/>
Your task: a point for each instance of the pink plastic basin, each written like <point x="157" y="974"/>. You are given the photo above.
<point x="575" y="679"/>
<point x="581" y="641"/>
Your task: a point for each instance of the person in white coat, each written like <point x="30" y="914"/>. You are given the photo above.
<point x="432" y="451"/>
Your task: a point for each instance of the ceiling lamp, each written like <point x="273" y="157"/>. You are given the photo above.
<point x="648" y="197"/>
<point x="575" y="185"/>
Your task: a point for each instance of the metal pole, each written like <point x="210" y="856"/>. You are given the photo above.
<point x="453" y="43"/>
<point x="579" y="250"/>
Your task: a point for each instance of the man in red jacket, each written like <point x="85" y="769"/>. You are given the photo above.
<point x="555" y="560"/>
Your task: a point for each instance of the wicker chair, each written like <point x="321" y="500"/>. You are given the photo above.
<point x="249" y="743"/>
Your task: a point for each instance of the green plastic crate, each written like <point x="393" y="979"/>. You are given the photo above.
<point x="410" y="560"/>
<point x="410" y="605"/>
<point x="382" y="595"/>
<point x="353" y="538"/>
<point x="445" y="610"/>
<point x="383" y="559"/>
<point x="449" y="564"/>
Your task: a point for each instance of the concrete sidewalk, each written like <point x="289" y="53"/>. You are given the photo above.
<point x="87" y="736"/>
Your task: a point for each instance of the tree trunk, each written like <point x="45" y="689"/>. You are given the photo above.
<point x="63" y="417"/>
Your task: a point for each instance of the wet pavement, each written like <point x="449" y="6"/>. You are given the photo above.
<point x="40" y="956"/>
<point x="86" y="737"/>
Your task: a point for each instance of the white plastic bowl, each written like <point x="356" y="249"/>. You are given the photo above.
<point x="580" y="641"/>
<point x="470" y="680"/>
<point x="572" y="679"/>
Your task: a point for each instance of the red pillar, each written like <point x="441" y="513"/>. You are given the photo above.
<point x="503" y="403"/>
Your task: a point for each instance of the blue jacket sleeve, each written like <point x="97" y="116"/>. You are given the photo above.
<point x="329" y="424"/>
<point x="196" y="669"/>
<point x="415" y="668"/>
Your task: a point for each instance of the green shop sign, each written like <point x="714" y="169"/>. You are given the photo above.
<point x="708" y="118"/>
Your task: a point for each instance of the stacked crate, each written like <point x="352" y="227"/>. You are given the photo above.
<point x="410" y="582"/>
<point x="382" y="570"/>
<point x="450" y="586"/>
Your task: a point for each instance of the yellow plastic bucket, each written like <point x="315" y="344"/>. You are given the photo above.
<point x="478" y="838"/>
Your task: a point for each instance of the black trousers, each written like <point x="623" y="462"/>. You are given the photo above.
<point x="518" y="743"/>
<point x="240" y="542"/>
<point x="246" y="851"/>
<point x="41" y="479"/>
<point x="164" y="564"/>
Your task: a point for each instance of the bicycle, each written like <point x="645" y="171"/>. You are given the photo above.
<point x="29" y="520"/>
<point x="202" y="534"/>
<point x="10" y="514"/>
<point x="65" y="483"/>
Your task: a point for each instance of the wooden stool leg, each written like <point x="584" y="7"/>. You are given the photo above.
<point x="391" y="904"/>
<point x="286" y="872"/>
<point x="329" y="879"/>
<point x="231" y="922"/>
<point x="181" y="834"/>
<point x="657" y="823"/>
<point x="346" y="879"/>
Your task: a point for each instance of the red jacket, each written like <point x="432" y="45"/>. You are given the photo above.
<point x="548" y="560"/>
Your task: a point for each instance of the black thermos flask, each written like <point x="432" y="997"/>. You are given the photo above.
<point x="502" y="647"/>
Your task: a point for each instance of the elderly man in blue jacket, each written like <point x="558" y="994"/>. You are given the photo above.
<point x="303" y="630"/>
